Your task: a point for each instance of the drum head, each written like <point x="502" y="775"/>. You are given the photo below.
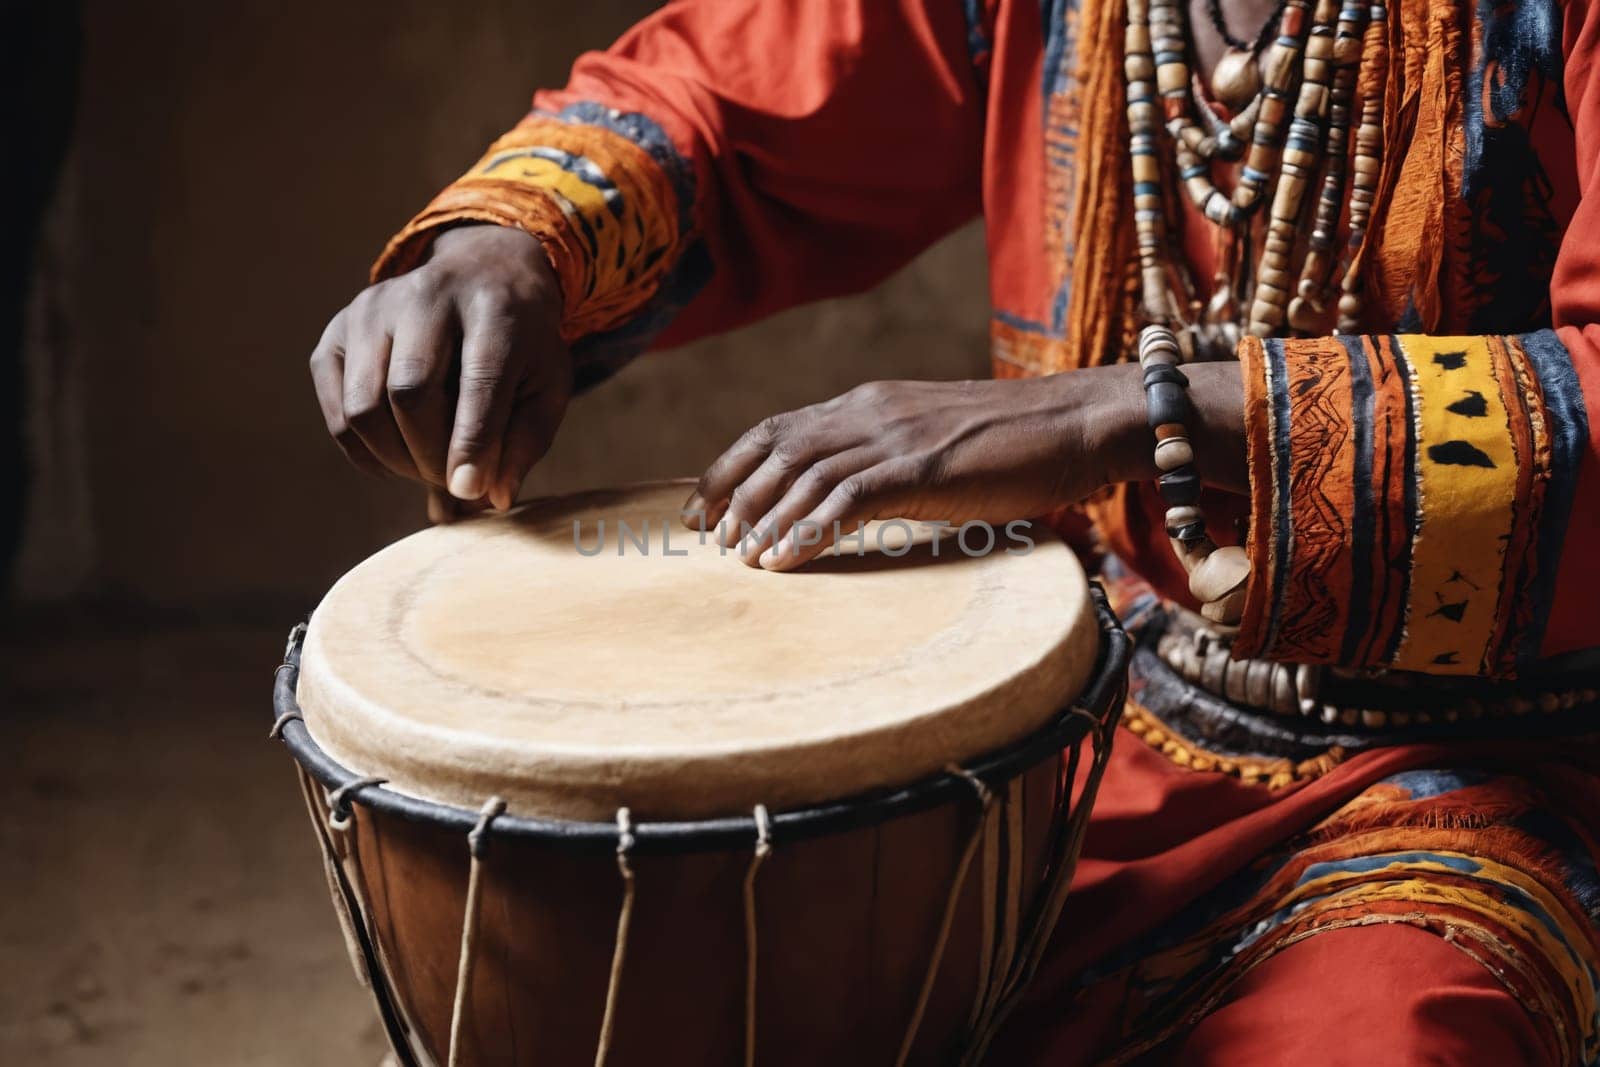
<point x="505" y="655"/>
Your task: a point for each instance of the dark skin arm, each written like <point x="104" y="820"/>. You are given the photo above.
<point x="455" y="375"/>
<point x="951" y="452"/>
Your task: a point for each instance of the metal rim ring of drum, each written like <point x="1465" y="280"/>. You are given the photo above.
<point x="1059" y="741"/>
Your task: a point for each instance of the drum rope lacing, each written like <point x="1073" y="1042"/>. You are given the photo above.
<point x="283" y="720"/>
<point x="339" y="799"/>
<point x="619" y="954"/>
<point x="477" y="844"/>
<point x="1056" y="881"/>
<point x="762" y="851"/>
<point x="350" y="908"/>
<point x="985" y="797"/>
<point x="625" y="842"/>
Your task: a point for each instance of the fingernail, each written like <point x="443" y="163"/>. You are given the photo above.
<point x="466" y="482"/>
<point x="774" y="557"/>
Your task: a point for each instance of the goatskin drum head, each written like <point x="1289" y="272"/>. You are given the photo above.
<point x="520" y="656"/>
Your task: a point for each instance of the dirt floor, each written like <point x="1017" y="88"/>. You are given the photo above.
<point x="160" y="900"/>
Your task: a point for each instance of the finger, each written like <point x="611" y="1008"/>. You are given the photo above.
<point x="870" y="494"/>
<point x="444" y="508"/>
<point x="327" y="376"/>
<point x="765" y="486"/>
<point x="805" y="494"/>
<point x="366" y="398"/>
<point x="418" y="388"/>
<point x="483" y="406"/>
<point x="709" y="501"/>
<point x="529" y="435"/>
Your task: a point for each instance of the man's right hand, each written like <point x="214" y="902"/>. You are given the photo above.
<point x="454" y="374"/>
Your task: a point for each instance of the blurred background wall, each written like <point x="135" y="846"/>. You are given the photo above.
<point x="233" y="168"/>
<point x="230" y="171"/>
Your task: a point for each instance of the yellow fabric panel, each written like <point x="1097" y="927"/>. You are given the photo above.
<point x="1466" y="496"/>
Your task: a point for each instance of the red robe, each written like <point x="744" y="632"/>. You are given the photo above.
<point x="730" y="158"/>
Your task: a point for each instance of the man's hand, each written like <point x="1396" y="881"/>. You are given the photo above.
<point x="943" y="451"/>
<point x="955" y="452"/>
<point x="455" y="374"/>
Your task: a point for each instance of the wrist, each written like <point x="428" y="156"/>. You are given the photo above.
<point x="1117" y="431"/>
<point x="1217" y="392"/>
<point x="508" y="253"/>
<point x="1114" y="426"/>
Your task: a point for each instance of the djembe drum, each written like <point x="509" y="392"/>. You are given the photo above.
<point x="612" y="797"/>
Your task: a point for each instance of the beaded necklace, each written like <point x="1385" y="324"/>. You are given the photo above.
<point x="1252" y="46"/>
<point x="1290" y="124"/>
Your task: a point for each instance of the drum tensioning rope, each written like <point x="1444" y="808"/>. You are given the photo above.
<point x="1007" y="970"/>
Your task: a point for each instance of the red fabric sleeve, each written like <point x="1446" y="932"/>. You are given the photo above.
<point x="1575" y="306"/>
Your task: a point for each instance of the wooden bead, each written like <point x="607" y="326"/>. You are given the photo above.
<point x="1167" y="402"/>
<point x="1172" y="78"/>
<point x="1223" y="572"/>
<point x="1283" y="698"/>
<point x="1236" y="683"/>
<point x="1277" y="66"/>
<point x="1181" y="486"/>
<point x="1214" y="670"/>
<point x="1307" y="684"/>
<point x="1190" y="553"/>
<point x="1191" y="543"/>
<point x="1228" y="610"/>
<point x="1258" y="682"/>
<point x="1173" y="453"/>
<point x="1303" y="317"/>
<point x="1166" y="373"/>
<point x="1236" y="79"/>
<point x="1182" y="516"/>
<point x="1153" y="289"/>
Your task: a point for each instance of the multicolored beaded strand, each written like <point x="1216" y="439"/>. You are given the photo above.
<point x="1368" y="158"/>
<point x="1217" y="576"/>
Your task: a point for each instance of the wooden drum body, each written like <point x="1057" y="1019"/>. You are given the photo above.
<point x="664" y="809"/>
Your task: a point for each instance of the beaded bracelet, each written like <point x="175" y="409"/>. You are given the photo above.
<point x="1217" y="576"/>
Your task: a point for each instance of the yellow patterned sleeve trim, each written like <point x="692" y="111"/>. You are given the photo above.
<point x="1403" y="492"/>
<point x="1467" y="475"/>
<point x="605" y="211"/>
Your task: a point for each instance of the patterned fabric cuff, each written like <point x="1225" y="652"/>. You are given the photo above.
<point x="1409" y="498"/>
<point x="603" y="191"/>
